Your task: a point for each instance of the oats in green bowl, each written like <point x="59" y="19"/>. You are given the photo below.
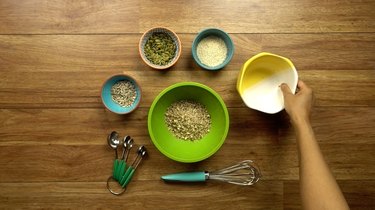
<point x="205" y="130"/>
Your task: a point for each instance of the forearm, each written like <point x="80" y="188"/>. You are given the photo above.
<point x="319" y="189"/>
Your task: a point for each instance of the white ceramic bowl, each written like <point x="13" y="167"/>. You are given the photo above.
<point x="259" y="81"/>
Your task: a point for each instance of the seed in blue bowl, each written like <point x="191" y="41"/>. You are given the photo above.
<point x="212" y="51"/>
<point x="121" y="94"/>
<point x="124" y="93"/>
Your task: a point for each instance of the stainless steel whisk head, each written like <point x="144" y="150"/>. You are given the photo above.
<point x="243" y="173"/>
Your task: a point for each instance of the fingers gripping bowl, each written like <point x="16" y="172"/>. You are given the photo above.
<point x="182" y="150"/>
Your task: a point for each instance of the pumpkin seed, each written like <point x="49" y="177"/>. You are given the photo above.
<point x="160" y="49"/>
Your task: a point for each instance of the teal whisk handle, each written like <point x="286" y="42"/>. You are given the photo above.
<point x="199" y="176"/>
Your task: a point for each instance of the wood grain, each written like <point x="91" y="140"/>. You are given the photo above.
<point x="88" y="16"/>
<point x="61" y="126"/>
<point x="82" y="89"/>
<point x="292" y="16"/>
<point x="108" y="53"/>
<point x="68" y="16"/>
<point x="140" y="195"/>
<point x="57" y="163"/>
<point x="359" y="194"/>
<point x="55" y="55"/>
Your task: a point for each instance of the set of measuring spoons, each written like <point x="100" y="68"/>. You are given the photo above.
<point x="122" y="172"/>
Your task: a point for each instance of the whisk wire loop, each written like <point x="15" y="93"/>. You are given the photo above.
<point x="242" y="173"/>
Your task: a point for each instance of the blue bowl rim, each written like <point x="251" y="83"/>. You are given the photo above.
<point x="227" y="59"/>
<point x="137" y="86"/>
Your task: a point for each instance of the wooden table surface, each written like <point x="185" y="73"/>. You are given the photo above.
<point x="55" y="55"/>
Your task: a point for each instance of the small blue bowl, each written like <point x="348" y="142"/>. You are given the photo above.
<point x="218" y="33"/>
<point x="107" y="98"/>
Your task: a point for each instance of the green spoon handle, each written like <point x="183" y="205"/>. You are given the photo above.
<point x="128" y="178"/>
<point x="126" y="174"/>
<point x="120" y="169"/>
<point x="115" y="165"/>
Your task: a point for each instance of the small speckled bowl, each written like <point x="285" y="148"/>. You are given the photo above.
<point x="147" y="35"/>
<point x="218" y="33"/>
<point x="107" y="97"/>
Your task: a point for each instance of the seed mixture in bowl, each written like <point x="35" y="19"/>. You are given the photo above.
<point x="188" y="120"/>
<point x="124" y="93"/>
<point x="160" y="49"/>
<point x="212" y="51"/>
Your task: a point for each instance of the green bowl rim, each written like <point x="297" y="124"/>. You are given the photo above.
<point x="217" y="96"/>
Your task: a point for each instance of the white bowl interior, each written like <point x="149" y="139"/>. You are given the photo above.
<point x="263" y="77"/>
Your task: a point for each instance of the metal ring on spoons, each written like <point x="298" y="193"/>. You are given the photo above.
<point x="112" y="191"/>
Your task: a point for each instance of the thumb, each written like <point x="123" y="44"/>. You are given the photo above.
<point x="285" y="89"/>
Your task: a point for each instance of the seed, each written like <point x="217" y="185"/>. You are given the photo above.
<point x="212" y="51"/>
<point x="188" y="120"/>
<point x="160" y="49"/>
<point x="124" y="93"/>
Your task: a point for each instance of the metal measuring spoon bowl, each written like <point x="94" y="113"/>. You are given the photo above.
<point x="124" y="146"/>
<point x="126" y="138"/>
<point x="127" y="145"/>
<point x="113" y="141"/>
<point x="142" y="151"/>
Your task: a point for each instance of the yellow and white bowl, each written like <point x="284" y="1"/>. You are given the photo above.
<point x="259" y="80"/>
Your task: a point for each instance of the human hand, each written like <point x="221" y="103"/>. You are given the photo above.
<point x="298" y="105"/>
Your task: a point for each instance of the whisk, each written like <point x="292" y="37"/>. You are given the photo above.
<point x="242" y="173"/>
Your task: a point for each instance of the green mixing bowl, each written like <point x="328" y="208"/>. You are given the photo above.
<point x="181" y="150"/>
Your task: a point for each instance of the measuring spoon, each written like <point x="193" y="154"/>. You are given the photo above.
<point x="113" y="142"/>
<point x="127" y="145"/>
<point x="141" y="152"/>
